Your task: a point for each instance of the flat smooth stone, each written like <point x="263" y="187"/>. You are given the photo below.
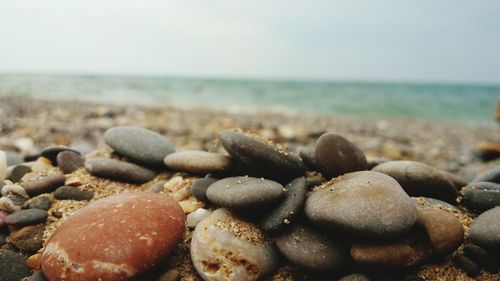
<point x="27" y="217"/>
<point x="198" y="162"/>
<point x="118" y="170"/>
<point x="485" y="230"/>
<point x="72" y="193"/>
<point x="200" y="186"/>
<point x="69" y="161"/>
<point x="13" y="266"/>
<point x="481" y="196"/>
<point x="444" y="230"/>
<point x="18" y="172"/>
<point x="139" y="144"/>
<point x="46" y="184"/>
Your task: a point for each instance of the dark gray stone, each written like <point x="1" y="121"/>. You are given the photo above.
<point x="336" y="156"/>
<point x="366" y="203"/>
<point x="481" y="196"/>
<point x="200" y="186"/>
<point x="312" y="249"/>
<point x="457" y="181"/>
<point x="40" y="202"/>
<point x="18" y="172"/>
<point x="26" y="217"/>
<point x="73" y="193"/>
<point x="118" y="170"/>
<point x="12" y="266"/>
<point x="479" y="256"/>
<point x="52" y="152"/>
<point x="18" y="200"/>
<point x="289" y="208"/>
<point x="28" y="238"/>
<point x="491" y="175"/>
<point x="139" y="144"/>
<point x="198" y="162"/>
<point x="244" y="192"/>
<point x="69" y="161"/>
<point x="485" y="230"/>
<point x="419" y="179"/>
<point x="307" y="154"/>
<point x="44" y="185"/>
<point x="470" y="267"/>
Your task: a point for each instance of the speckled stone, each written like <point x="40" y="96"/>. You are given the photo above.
<point x="289" y="208"/>
<point x="312" y="249"/>
<point x="407" y="251"/>
<point x="265" y="158"/>
<point x="18" y="172"/>
<point x="40" y="202"/>
<point x="244" y="192"/>
<point x="485" y="230"/>
<point x="481" y="196"/>
<point x="46" y="184"/>
<point x="336" y="156"/>
<point x="139" y="144"/>
<point x="13" y="266"/>
<point x="29" y="238"/>
<point x="198" y="162"/>
<point x="444" y="230"/>
<point x="200" y="186"/>
<point x="365" y="203"/>
<point x="73" y="193"/>
<point x="419" y="179"/>
<point x="26" y="217"/>
<point x="78" y="251"/>
<point x="52" y="152"/>
<point x="224" y="247"/>
<point x="69" y="161"/>
<point x="491" y="175"/>
<point x="118" y="170"/>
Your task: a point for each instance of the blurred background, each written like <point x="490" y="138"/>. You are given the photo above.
<point x="428" y="60"/>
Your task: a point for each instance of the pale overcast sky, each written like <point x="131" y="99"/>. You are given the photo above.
<point x="390" y="40"/>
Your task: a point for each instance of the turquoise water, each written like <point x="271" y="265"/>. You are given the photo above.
<point x="469" y="103"/>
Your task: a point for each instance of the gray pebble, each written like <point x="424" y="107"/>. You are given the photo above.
<point x="13" y="266"/>
<point x="18" y="172"/>
<point x="40" y="202"/>
<point x="73" y="193"/>
<point x="26" y="217"/>
<point x="69" y="161"/>
<point x="52" y="152"/>
<point x="118" y="170"/>
<point x="200" y="186"/>
<point x="491" y="175"/>
<point x="481" y="196"/>
<point x="485" y="230"/>
<point x="198" y="162"/>
<point x="44" y="185"/>
<point x="157" y="187"/>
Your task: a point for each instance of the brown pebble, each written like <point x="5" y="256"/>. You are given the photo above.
<point x="34" y="261"/>
<point x="44" y="185"/>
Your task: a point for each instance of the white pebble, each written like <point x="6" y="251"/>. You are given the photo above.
<point x="25" y="145"/>
<point x="8" y="206"/>
<point x="3" y="165"/>
<point x="195" y="217"/>
<point x="174" y="184"/>
<point x="14" y="188"/>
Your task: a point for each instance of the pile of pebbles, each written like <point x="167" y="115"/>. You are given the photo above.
<point x="326" y="210"/>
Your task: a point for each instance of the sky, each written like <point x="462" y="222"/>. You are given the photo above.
<point x="387" y="40"/>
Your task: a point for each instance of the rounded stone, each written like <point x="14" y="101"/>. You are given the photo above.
<point x="407" y="251"/>
<point x="336" y="156"/>
<point x="444" y="230"/>
<point x="119" y="170"/>
<point x="470" y="267"/>
<point x="3" y="166"/>
<point x="139" y="144"/>
<point x="265" y="158"/>
<point x="485" y="230"/>
<point x="491" y="175"/>
<point x="198" y="162"/>
<point x="18" y="172"/>
<point x="224" y="247"/>
<point x="481" y="196"/>
<point x="419" y="179"/>
<point x="312" y="249"/>
<point x="479" y="256"/>
<point x="73" y="193"/>
<point x="365" y="203"/>
<point x="29" y="238"/>
<point x="244" y="192"/>
<point x="114" y="238"/>
<point x="195" y="217"/>
<point x="289" y="208"/>
<point x="26" y="217"/>
<point x="157" y="187"/>
<point x="69" y="161"/>
<point x="40" y="202"/>
<point x="199" y="188"/>
<point x="52" y="152"/>
<point x="457" y="181"/>
<point x="13" y="266"/>
<point x="307" y="154"/>
<point x="46" y="184"/>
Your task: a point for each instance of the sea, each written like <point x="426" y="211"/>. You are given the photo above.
<point x="471" y="103"/>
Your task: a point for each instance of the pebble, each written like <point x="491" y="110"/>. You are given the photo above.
<point x="195" y="217"/>
<point x="139" y="144"/>
<point x="141" y="229"/>
<point x="419" y="179"/>
<point x="431" y="203"/>
<point x="26" y="217"/>
<point x="69" y="161"/>
<point x="336" y="156"/>
<point x="34" y="261"/>
<point x="444" y="230"/>
<point x="28" y="238"/>
<point x="40" y="202"/>
<point x="41" y="164"/>
<point x="307" y="154"/>
<point x="267" y="159"/>
<point x="13" y="267"/>
<point x="118" y="170"/>
<point x="46" y="184"/>
<point x="457" y="181"/>
<point x="18" y="172"/>
<point x="14" y="189"/>
<point x="52" y="152"/>
<point x="470" y="267"/>
<point x="3" y="166"/>
<point x="312" y="249"/>
<point x="170" y="275"/>
<point x="479" y="256"/>
<point x="224" y="247"/>
<point x="3" y="215"/>
<point x="73" y="193"/>
<point x="366" y="203"/>
<point x="157" y="187"/>
<point x="244" y="192"/>
<point x="354" y="277"/>
<point x="37" y="276"/>
<point x="13" y="158"/>
<point x="491" y="175"/>
<point x="408" y="251"/>
<point x="199" y="188"/>
<point x="481" y="196"/>
<point x="18" y="200"/>
<point x="289" y="208"/>
<point x="485" y="230"/>
<point x="198" y="162"/>
<point x="8" y="206"/>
